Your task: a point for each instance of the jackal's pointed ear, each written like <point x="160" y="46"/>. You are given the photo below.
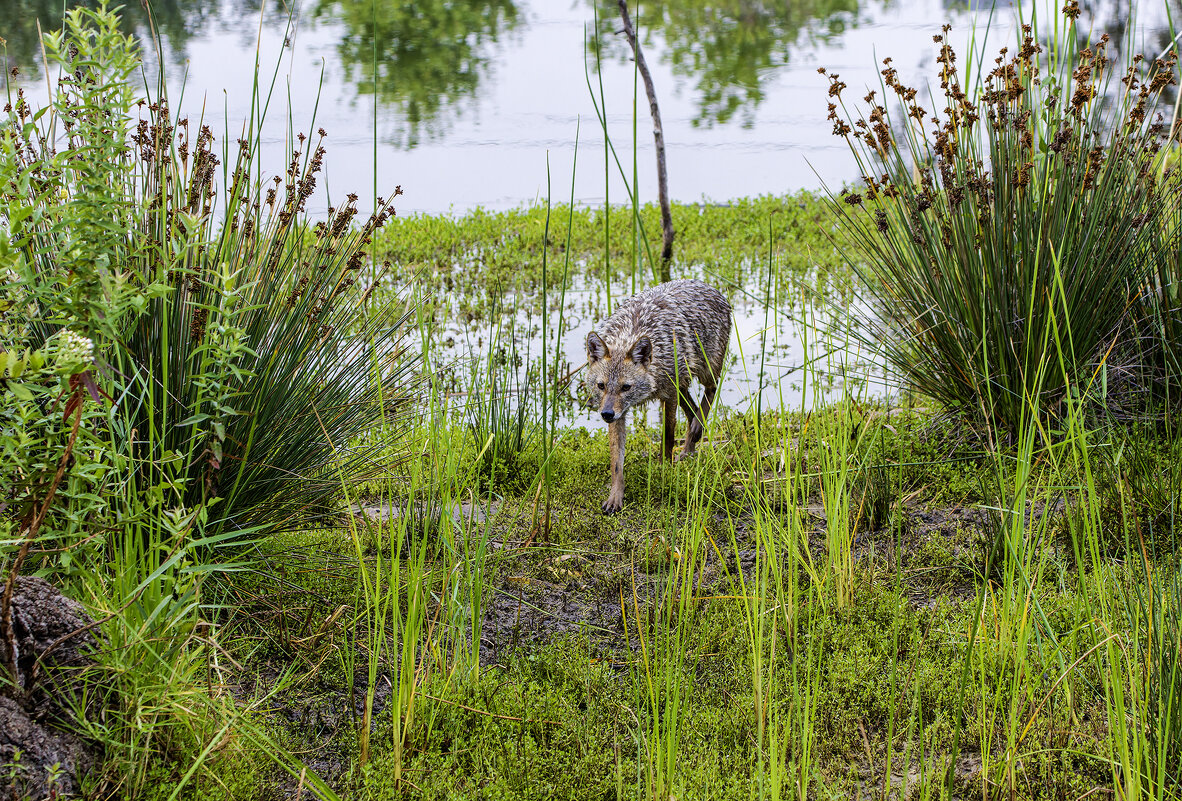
<point x="596" y="348"/>
<point x="642" y="352"/>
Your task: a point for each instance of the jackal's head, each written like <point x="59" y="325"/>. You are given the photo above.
<point x="618" y="381"/>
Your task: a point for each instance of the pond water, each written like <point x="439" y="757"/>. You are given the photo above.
<point x="783" y="355"/>
<point x="470" y="102"/>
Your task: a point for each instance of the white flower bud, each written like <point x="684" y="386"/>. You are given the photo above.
<point x="73" y="348"/>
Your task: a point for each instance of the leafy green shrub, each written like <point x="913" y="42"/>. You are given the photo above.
<point x="77" y="274"/>
<point x="1001" y="248"/>
<point x="68" y="284"/>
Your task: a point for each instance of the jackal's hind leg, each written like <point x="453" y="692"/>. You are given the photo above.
<point x="698" y="420"/>
<point x="669" y="412"/>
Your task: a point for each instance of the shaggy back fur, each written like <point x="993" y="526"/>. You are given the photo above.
<point x="674" y="331"/>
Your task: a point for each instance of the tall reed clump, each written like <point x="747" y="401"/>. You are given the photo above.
<point x="1036" y="172"/>
<point x="263" y="365"/>
<point x="1163" y="301"/>
<point x="187" y="361"/>
<point x="233" y="333"/>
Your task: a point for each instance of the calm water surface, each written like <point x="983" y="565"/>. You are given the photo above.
<point x="473" y="101"/>
<point x="766" y="356"/>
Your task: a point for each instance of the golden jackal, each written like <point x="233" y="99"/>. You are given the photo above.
<point x="653" y="345"/>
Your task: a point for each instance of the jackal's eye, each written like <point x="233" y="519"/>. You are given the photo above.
<point x="625" y="387"/>
<point x="600" y="385"/>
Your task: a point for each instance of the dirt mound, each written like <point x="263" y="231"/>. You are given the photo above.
<point x="36" y="760"/>
<point x="49" y="638"/>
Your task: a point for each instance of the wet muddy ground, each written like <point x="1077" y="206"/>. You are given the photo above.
<point x="536" y="601"/>
<point x="539" y="593"/>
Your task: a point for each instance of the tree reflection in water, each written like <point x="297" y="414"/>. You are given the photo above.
<point x="431" y="55"/>
<point x="175" y="21"/>
<point x="729" y="49"/>
<point x="1118" y="19"/>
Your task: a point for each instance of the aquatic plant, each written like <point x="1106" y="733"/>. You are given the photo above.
<point x="503" y="405"/>
<point x="1034" y="197"/>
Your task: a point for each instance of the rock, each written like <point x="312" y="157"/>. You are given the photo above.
<point x="37" y="761"/>
<point x="44" y="619"/>
<point x="37" y="758"/>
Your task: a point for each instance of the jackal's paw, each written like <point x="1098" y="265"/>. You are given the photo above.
<point x="613" y="504"/>
<point x="683" y="455"/>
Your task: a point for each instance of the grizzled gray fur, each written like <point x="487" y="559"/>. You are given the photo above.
<point x="652" y="347"/>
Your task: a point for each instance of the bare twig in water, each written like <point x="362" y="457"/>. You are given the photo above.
<point x="658" y="138"/>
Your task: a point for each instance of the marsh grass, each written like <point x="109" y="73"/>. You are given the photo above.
<point x="843" y="440"/>
<point x="771" y="598"/>
<point x="481" y="248"/>
<point x="505" y="415"/>
<point x="1153" y="605"/>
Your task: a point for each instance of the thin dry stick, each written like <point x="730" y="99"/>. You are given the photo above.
<point x="658" y="138"/>
<point x="300" y="788"/>
<point x="35" y="672"/>
<point x="7" y="635"/>
<point x="486" y="713"/>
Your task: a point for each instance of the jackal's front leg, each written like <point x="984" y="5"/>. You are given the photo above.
<point x="616" y="432"/>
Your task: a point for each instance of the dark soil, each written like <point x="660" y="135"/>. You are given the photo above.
<point x="536" y="602"/>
